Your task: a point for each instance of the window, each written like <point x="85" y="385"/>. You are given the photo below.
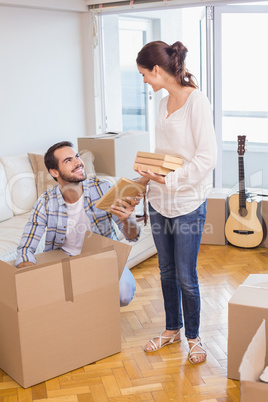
<point x="133" y="35"/>
<point x="227" y="56"/>
<point x="129" y="104"/>
<point x="244" y="69"/>
<point x="241" y="102"/>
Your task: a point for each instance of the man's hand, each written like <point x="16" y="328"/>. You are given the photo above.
<point x="25" y="264"/>
<point x="130" y="227"/>
<point x="124" y="209"/>
<point x="135" y="200"/>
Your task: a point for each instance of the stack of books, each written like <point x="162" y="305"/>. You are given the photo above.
<point x="157" y="163"/>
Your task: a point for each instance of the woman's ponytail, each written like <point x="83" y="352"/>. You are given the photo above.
<point x="169" y="58"/>
<point x="178" y="55"/>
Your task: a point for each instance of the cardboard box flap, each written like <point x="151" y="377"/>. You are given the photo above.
<point x="61" y="280"/>
<point x="263" y="285"/>
<point x="39" y="285"/>
<point x="7" y="285"/>
<point x="257" y="280"/>
<point x="253" y="362"/>
<point x="95" y="242"/>
<point x="8" y="272"/>
<point x="50" y="256"/>
<point x="250" y="296"/>
<point x="85" y="271"/>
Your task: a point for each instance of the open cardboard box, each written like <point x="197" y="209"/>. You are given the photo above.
<point x="63" y="313"/>
<point x="247" y="308"/>
<point x="252" y="366"/>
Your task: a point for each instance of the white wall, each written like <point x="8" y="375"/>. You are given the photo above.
<point x="255" y="166"/>
<point x="42" y="96"/>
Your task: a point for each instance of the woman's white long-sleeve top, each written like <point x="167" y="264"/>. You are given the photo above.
<point x="188" y="133"/>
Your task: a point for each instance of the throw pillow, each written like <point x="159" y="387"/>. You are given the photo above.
<point x="88" y="159"/>
<point x="43" y="179"/>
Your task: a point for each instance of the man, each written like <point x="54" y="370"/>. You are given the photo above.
<point x="68" y="210"/>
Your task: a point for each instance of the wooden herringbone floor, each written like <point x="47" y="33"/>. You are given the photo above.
<point x="166" y="375"/>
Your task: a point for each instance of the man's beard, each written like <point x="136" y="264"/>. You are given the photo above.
<point x="69" y="178"/>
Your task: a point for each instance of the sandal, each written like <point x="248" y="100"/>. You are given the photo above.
<point x="192" y="354"/>
<point x="171" y="339"/>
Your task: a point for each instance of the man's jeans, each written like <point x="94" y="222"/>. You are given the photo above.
<point x="177" y="241"/>
<point x="127" y="287"/>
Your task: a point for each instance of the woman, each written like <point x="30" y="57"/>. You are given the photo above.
<point x="177" y="202"/>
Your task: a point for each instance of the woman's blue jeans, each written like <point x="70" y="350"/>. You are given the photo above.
<point x="177" y="241"/>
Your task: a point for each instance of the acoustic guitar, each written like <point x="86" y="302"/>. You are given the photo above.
<point x="243" y="227"/>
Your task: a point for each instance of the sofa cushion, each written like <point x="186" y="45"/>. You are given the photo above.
<point x="10" y="235"/>
<point x="44" y="180"/>
<point x="21" y="182"/>
<point x="12" y="229"/>
<point x="5" y="201"/>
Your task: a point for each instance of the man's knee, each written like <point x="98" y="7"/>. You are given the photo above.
<point x="125" y="299"/>
<point x="127" y="287"/>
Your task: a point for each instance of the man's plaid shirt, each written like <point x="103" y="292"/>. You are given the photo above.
<point x="50" y="213"/>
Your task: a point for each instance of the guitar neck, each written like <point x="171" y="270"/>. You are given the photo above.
<point x="241" y="175"/>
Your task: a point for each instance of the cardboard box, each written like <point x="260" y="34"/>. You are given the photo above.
<point x="115" y="154"/>
<point x="252" y="366"/>
<point x="63" y="313"/>
<point x="247" y="308"/>
<point x="264" y="216"/>
<point x="216" y="217"/>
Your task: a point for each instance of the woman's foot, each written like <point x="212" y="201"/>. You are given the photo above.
<point x="165" y="339"/>
<point x="197" y="353"/>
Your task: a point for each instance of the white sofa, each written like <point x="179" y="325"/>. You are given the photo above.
<point x="22" y="179"/>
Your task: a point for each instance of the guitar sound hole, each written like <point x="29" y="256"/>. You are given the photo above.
<point x="243" y="212"/>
